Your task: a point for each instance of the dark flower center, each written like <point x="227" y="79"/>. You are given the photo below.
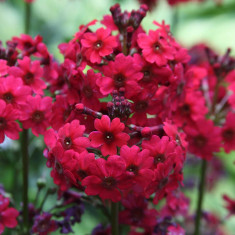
<point x="28" y="78"/>
<point x="58" y="168"/>
<point x="109" y="182"/>
<point x="98" y="44"/>
<point x="43" y="226"/>
<point x="133" y="168"/>
<point x="119" y="80"/>
<point x="185" y="109"/>
<point x="147" y="75"/>
<point x="82" y="173"/>
<point x="2" y="123"/>
<point x="88" y="91"/>
<point x="228" y="134"/>
<point x="8" y="97"/>
<point x="157" y="47"/>
<point x="159" y="158"/>
<point x="163" y="183"/>
<point x="141" y="106"/>
<point x="67" y="142"/>
<point x="200" y="141"/>
<point x="38" y="116"/>
<point x="137" y="215"/>
<point x="109" y="137"/>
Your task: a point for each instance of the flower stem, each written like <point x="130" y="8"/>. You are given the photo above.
<point x="25" y="169"/>
<point x="27" y="17"/>
<point x="200" y="197"/>
<point x="114" y="218"/>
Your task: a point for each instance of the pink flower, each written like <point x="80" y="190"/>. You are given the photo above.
<point x="204" y="138"/>
<point x="98" y="44"/>
<point x="71" y="137"/>
<point x="31" y="74"/>
<point x="230" y="205"/>
<point x="138" y="165"/>
<point x="36" y="114"/>
<point x="228" y="133"/>
<point x="122" y="72"/>
<point x="7" y="214"/>
<point x="8" y="124"/>
<point x="155" y="48"/>
<point x="109" y="135"/>
<point x="107" y="179"/>
<point x="12" y="91"/>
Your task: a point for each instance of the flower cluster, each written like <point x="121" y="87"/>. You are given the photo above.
<point x="8" y="214"/>
<point x="124" y="108"/>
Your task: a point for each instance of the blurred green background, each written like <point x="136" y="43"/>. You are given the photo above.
<point x="58" y="20"/>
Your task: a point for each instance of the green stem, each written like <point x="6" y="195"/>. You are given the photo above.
<point x="25" y="169"/>
<point x="200" y="197"/>
<point x="27" y="17"/>
<point x="114" y="218"/>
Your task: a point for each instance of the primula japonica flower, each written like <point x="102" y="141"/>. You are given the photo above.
<point x="136" y="212"/>
<point x="3" y="67"/>
<point x="63" y="164"/>
<point x="12" y="91"/>
<point x="230" y="205"/>
<point x="120" y="73"/>
<point x="155" y="48"/>
<point x="228" y="133"/>
<point x="31" y="74"/>
<point x="138" y="165"/>
<point x="43" y="224"/>
<point x="8" y="214"/>
<point x="107" y="178"/>
<point x="204" y="138"/>
<point x="109" y="135"/>
<point x="36" y="113"/>
<point x="8" y="124"/>
<point x="70" y="136"/>
<point x="98" y="44"/>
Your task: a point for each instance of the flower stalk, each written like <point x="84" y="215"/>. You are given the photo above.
<point x="200" y="197"/>
<point x="25" y="170"/>
<point x="114" y="218"/>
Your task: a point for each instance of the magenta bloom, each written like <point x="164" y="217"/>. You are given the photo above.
<point x="71" y="137"/>
<point x="7" y="214"/>
<point x="122" y="72"/>
<point x="109" y="135"/>
<point x="138" y="165"/>
<point x="155" y="48"/>
<point x="98" y="44"/>
<point x="204" y="138"/>
<point x="8" y="124"/>
<point x="12" y="91"/>
<point x="43" y="224"/>
<point x="230" y="205"/>
<point x="107" y="179"/>
<point x="228" y="133"/>
<point x="31" y="74"/>
<point x="36" y="114"/>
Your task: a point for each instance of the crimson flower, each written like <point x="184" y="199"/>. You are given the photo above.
<point x="8" y="124"/>
<point x="109" y="135"/>
<point x="98" y="44"/>
<point x="36" y="113"/>
<point x="228" y="133"/>
<point x="31" y="74"/>
<point x="7" y="214"/>
<point x="155" y="48"/>
<point x="230" y="205"/>
<point x="107" y="179"/>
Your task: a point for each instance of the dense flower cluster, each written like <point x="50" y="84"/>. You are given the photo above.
<point x="124" y="108"/>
